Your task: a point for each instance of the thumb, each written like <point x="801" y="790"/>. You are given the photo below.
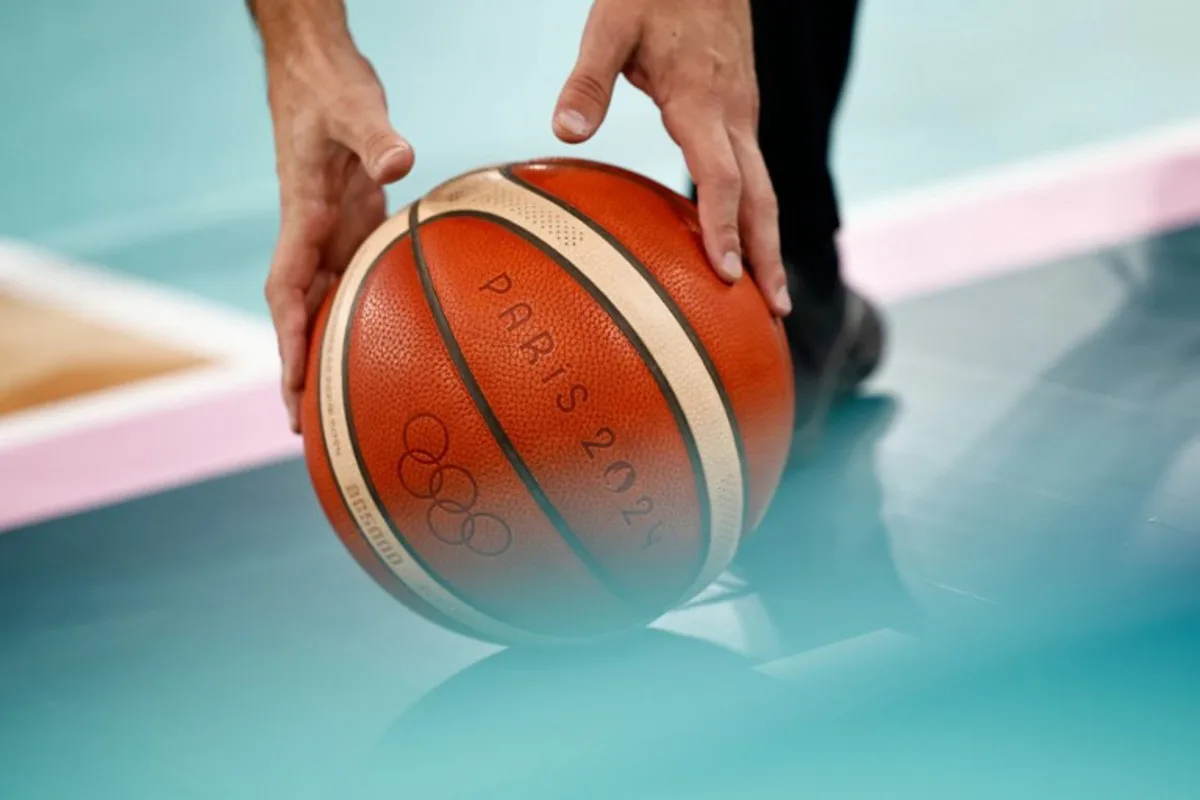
<point x="584" y="101"/>
<point x="362" y="125"/>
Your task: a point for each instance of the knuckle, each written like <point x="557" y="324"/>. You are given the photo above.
<point x="375" y="142"/>
<point x="368" y="69"/>
<point x="743" y="116"/>
<point x="724" y="177"/>
<point x="725" y="231"/>
<point x="743" y="135"/>
<point x="671" y="107"/>
<point x="727" y="234"/>
<point x="674" y="120"/>
<point x="692" y="105"/>
<point x="708" y="101"/>
<point x="765" y="202"/>
<point x="337" y="127"/>
<point x="754" y="103"/>
<point x="312" y="220"/>
<point x="588" y="87"/>
<point x="768" y="212"/>
<point x="349" y="112"/>
<point x="274" y="289"/>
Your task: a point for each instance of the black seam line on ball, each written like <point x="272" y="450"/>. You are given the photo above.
<point x="601" y="573"/>
<point x="372" y="491"/>
<point x="660" y="379"/>
<point x="670" y="303"/>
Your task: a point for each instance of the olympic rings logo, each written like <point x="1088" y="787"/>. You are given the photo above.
<point x="450" y="489"/>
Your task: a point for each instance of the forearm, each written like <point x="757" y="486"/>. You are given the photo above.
<point x="297" y="26"/>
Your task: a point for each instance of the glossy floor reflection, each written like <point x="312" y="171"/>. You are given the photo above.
<point x="985" y="583"/>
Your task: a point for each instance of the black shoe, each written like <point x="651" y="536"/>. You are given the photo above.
<point x="837" y="342"/>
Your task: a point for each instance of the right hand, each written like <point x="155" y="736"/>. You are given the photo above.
<point x="695" y="60"/>
<point x="335" y="151"/>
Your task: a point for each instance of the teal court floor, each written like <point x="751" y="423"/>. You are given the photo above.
<point x="991" y="569"/>
<point x="986" y="583"/>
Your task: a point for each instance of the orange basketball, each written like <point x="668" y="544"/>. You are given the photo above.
<point x="533" y="411"/>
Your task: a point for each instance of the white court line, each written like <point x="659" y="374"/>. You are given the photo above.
<point x="126" y="402"/>
<point x="242" y="347"/>
<point x="132" y="305"/>
<point x="1003" y="220"/>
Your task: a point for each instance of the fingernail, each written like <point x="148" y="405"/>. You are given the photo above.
<point x="573" y="122"/>
<point x="732" y="266"/>
<point x="397" y="151"/>
<point x="783" y="300"/>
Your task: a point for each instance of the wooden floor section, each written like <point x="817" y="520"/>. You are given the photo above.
<point x="48" y="355"/>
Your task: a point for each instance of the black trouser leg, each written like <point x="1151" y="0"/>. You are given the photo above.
<point x="802" y="54"/>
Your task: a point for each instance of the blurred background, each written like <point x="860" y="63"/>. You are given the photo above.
<point x="136" y="134"/>
<point x="984" y="585"/>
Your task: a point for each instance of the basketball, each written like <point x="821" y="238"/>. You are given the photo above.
<point x="534" y="413"/>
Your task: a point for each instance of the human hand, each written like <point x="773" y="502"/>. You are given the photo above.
<point x="695" y="59"/>
<point x="335" y="150"/>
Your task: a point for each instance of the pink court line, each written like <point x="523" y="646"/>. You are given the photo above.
<point x="1026" y="216"/>
<point x="925" y="242"/>
<point x="157" y="450"/>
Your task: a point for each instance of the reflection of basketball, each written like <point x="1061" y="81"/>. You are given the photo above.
<point x="492" y="729"/>
<point x="534" y="413"/>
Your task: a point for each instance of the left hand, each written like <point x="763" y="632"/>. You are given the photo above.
<point x="695" y="60"/>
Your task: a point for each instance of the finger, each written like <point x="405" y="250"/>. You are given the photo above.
<point x="292" y="270"/>
<point x="759" y="223"/>
<point x="361" y="123"/>
<point x="700" y="132"/>
<point x="363" y="209"/>
<point x="291" y="331"/>
<point x="606" y="46"/>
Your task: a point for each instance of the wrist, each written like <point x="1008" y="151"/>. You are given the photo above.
<point x="301" y="32"/>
